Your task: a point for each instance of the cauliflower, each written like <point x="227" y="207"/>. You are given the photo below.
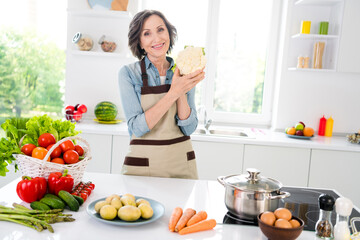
<point x="190" y="59"/>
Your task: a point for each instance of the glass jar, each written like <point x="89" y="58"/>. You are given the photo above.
<point x="107" y="46"/>
<point x="324" y="228"/>
<point x="84" y="43"/>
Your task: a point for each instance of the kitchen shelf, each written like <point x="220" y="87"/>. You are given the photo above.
<point x="317" y="2"/>
<point x="98" y="54"/>
<point x="310" y="69"/>
<point x="314" y="36"/>
<point x="100" y="13"/>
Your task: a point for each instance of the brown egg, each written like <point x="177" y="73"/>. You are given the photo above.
<point x="283" y="213"/>
<point x="268" y="218"/>
<point x="294" y="223"/>
<point x="282" y="223"/>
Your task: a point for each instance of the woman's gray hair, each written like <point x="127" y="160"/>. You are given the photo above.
<point x="136" y="26"/>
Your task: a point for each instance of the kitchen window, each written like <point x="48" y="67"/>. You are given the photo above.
<point x="240" y="38"/>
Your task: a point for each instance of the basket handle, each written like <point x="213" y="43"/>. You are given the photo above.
<point x="63" y="140"/>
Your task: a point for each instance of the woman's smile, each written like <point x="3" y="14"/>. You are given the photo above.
<point x="158" y="46"/>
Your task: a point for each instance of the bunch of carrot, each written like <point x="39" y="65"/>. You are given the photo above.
<point x="189" y="221"/>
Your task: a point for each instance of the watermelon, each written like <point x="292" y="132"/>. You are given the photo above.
<point x="106" y="111"/>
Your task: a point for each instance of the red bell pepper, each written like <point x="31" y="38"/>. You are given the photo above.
<point x="31" y="189"/>
<point x="60" y="181"/>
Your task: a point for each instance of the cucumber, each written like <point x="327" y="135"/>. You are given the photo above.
<point x="49" y="195"/>
<point x="53" y="203"/>
<point x="79" y="199"/>
<point x="70" y="200"/>
<point x="39" y="206"/>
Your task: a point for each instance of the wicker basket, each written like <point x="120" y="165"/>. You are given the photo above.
<point x="34" y="167"/>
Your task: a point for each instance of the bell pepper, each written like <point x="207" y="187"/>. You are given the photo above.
<point x="31" y="189"/>
<point x="60" y="181"/>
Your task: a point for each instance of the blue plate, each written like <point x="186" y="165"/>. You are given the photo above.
<point x="156" y="206"/>
<point x="298" y="137"/>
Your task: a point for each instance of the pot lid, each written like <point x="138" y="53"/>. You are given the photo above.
<point x="253" y="181"/>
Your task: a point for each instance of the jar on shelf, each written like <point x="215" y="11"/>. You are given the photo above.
<point x="107" y="46"/>
<point x="83" y="42"/>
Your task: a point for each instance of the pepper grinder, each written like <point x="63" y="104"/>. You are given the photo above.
<point x="343" y="208"/>
<point x="324" y="228"/>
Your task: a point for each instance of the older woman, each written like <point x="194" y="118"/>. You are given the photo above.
<point x="158" y="104"/>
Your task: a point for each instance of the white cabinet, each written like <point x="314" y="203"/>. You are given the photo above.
<point x="100" y="145"/>
<point x="349" y="52"/>
<point x="339" y="170"/>
<point x="120" y="147"/>
<point x="216" y="159"/>
<point x="315" y="11"/>
<point x="288" y="165"/>
<point x="10" y="176"/>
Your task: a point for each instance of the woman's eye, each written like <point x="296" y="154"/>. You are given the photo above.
<point x="146" y="34"/>
<point x="161" y="29"/>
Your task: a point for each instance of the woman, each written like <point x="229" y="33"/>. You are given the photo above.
<point x="158" y="104"/>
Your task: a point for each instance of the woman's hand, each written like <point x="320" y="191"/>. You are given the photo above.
<point x="182" y="84"/>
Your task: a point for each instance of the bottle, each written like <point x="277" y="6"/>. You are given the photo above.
<point x="322" y="125"/>
<point x="343" y="208"/>
<point x="329" y="127"/>
<point x="324" y="228"/>
<point x="300" y="63"/>
<point x="306" y="62"/>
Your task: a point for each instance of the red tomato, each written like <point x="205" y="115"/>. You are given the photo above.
<point x="70" y="107"/>
<point x="92" y="186"/>
<point x="40" y="153"/>
<point x="82" y="108"/>
<point x="28" y="148"/>
<point x="79" y="150"/>
<point x="84" y="196"/>
<point x="56" y="153"/>
<point x="77" y="115"/>
<point x="71" y="156"/>
<point x="46" y="139"/>
<point x="58" y="160"/>
<point x="67" y="145"/>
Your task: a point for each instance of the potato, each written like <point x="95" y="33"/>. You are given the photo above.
<point x="108" y="212"/>
<point x="128" y="200"/>
<point x="140" y="201"/>
<point x="129" y="213"/>
<point x="111" y="197"/>
<point x="99" y="205"/>
<point x="116" y="203"/>
<point x="146" y="210"/>
<point x="129" y="195"/>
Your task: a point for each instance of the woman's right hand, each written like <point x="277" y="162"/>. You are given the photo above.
<point x="182" y="84"/>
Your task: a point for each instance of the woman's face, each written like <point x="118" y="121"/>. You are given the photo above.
<point x="154" y="37"/>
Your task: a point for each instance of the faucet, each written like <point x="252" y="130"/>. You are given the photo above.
<point x="207" y="122"/>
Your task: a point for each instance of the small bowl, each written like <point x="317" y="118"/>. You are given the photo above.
<point x="73" y="118"/>
<point x="276" y="233"/>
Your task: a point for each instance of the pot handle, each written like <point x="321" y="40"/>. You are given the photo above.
<point x="280" y="196"/>
<point x="221" y="180"/>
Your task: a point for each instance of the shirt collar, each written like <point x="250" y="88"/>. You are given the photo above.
<point x="148" y="62"/>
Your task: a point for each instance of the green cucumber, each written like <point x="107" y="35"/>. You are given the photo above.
<point x="70" y="200"/>
<point x="53" y="203"/>
<point x="39" y="206"/>
<point x="49" y="195"/>
<point x="79" y="199"/>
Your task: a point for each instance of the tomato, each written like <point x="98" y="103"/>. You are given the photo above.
<point x="77" y="115"/>
<point x="82" y="108"/>
<point x="84" y="196"/>
<point x="46" y="139"/>
<point x="92" y="186"/>
<point x="69" y="107"/>
<point x="56" y="153"/>
<point x="67" y="145"/>
<point x="79" y="150"/>
<point x="58" y="160"/>
<point x="71" y="156"/>
<point x="87" y="189"/>
<point x="40" y="153"/>
<point x="28" y="148"/>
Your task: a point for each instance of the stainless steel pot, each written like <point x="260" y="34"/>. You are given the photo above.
<point x="248" y="195"/>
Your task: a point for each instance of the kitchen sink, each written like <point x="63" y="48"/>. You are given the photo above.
<point x="225" y="132"/>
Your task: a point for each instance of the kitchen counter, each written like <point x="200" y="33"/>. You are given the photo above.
<point x="258" y="137"/>
<point x="197" y="194"/>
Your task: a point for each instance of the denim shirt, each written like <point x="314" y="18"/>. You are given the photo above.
<point x="130" y="84"/>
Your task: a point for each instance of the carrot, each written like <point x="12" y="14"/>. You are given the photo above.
<point x="175" y="216"/>
<point x="188" y="213"/>
<point x="200" y="226"/>
<point x="202" y="215"/>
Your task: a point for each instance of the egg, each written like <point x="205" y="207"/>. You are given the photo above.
<point x="268" y="218"/>
<point x="282" y="223"/>
<point x="294" y="223"/>
<point x="283" y="213"/>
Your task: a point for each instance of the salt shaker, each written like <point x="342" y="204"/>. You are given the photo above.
<point x="324" y="228"/>
<point x="343" y="208"/>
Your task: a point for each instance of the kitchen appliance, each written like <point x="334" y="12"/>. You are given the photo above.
<point x="246" y="196"/>
<point x="303" y="202"/>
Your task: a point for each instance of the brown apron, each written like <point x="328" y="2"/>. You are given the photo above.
<point x="164" y="151"/>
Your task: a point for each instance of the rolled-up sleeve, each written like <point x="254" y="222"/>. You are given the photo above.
<point x="189" y="125"/>
<point x="131" y="104"/>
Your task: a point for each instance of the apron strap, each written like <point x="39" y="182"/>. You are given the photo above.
<point x="144" y="75"/>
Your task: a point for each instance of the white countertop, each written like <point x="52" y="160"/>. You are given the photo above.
<point x="258" y="137"/>
<point x="197" y="194"/>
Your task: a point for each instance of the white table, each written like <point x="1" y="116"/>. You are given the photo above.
<point x="197" y="194"/>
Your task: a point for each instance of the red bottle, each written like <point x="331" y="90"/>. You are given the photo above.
<point x="322" y="126"/>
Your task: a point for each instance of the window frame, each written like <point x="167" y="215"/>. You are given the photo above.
<point x="208" y="85"/>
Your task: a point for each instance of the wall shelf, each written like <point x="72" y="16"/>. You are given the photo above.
<point x="314" y="36"/>
<point x="99" y="54"/>
<point x="310" y="69"/>
<point x="100" y="13"/>
<point x="317" y="2"/>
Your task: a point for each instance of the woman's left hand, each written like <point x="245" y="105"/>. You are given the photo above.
<point x="183" y="84"/>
